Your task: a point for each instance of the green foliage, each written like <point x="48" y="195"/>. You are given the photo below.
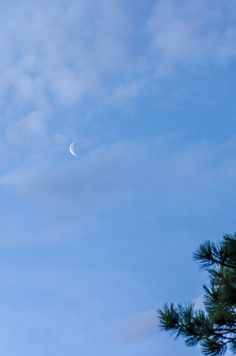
<point x="215" y="327"/>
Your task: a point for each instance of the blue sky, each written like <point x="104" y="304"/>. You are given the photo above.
<point x="91" y="246"/>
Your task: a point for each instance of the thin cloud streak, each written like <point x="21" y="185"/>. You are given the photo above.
<point x="135" y="329"/>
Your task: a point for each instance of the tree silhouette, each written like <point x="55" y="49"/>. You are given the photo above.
<point x="214" y="328"/>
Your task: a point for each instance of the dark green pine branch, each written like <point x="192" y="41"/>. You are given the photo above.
<point x="214" y="328"/>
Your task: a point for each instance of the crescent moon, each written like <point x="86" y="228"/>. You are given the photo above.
<point x="72" y="149"/>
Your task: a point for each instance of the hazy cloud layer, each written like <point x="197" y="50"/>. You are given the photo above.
<point x="176" y="182"/>
<point x="82" y="187"/>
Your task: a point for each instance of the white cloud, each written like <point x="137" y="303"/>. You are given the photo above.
<point x="192" y="32"/>
<point x="63" y="49"/>
<point x="54" y="54"/>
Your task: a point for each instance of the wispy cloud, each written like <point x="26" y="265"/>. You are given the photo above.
<point x="135" y="329"/>
<point x="32" y="127"/>
<point x="54" y="55"/>
<point x="190" y="33"/>
<point x="59" y="50"/>
<point x="185" y="182"/>
<point x="82" y="187"/>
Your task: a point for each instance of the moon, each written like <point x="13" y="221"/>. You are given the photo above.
<point x="72" y="149"/>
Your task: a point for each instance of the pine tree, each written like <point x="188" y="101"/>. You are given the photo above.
<point x="214" y="328"/>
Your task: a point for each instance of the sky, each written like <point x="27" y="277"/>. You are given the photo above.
<point x="91" y="246"/>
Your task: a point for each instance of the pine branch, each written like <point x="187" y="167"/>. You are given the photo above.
<point x="215" y="328"/>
